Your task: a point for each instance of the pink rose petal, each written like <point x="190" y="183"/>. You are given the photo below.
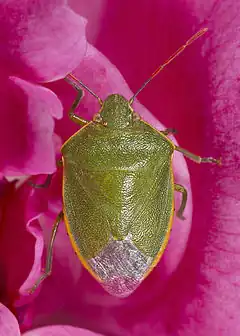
<point x="62" y="330"/>
<point x="199" y="96"/>
<point x="18" y="277"/>
<point x="44" y="40"/>
<point x="93" y="14"/>
<point x="26" y="128"/>
<point x="8" y="323"/>
<point x="17" y="262"/>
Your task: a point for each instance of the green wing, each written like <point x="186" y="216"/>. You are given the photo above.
<point x="153" y="209"/>
<point x="88" y="224"/>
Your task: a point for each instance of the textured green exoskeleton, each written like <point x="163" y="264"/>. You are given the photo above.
<point x="118" y="192"/>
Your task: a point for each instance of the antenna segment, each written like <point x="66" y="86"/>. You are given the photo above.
<point x="169" y="60"/>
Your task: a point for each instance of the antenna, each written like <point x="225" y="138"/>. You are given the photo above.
<point x="170" y="59"/>
<point x="83" y="85"/>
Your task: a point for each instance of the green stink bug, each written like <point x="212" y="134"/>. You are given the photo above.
<point x="118" y="191"/>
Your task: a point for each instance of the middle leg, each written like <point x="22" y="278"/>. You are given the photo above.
<point x="196" y="158"/>
<point x="48" y="180"/>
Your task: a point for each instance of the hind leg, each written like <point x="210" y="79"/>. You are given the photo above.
<point x="48" y="268"/>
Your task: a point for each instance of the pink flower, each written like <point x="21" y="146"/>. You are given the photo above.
<point x="9" y="327"/>
<point x="195" y="288"/>
<point x="33" y="36"/>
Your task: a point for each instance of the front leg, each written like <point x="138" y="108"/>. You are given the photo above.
<point x="48" y="267"/>
<point x="74" y="117"/>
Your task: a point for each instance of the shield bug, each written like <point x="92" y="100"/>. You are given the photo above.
<point x="118" y="191"/>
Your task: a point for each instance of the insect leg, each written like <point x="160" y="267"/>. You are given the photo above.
<point x="48" y="268"/>
<point x="197" y="158"/>
<point x="183" y="191"/>
<point x="168" y="131"/>
<point x="74" y="117"/>
<point x="48" y="180"/>
<point x="45" y="184"/>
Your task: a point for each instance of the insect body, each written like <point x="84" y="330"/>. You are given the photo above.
<point x="118" y="193"/>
